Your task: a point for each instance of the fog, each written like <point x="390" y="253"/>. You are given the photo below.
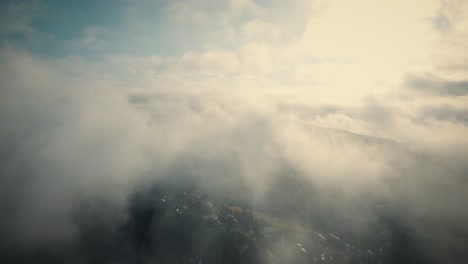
<point x="68" y="141"/>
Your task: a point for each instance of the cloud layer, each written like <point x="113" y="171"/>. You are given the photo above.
<point x="348" y="99"/>
<point x="68" y="140"/>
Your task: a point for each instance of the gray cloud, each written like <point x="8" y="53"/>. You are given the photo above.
<point x="431" y="84"/>
<point x="441" y="22"/>
<point x="445" y="113"/>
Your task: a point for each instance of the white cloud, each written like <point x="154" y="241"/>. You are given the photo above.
<point x="209" y="62"/>
<point x="258" y="30"/>
<point x="256" y="58"/>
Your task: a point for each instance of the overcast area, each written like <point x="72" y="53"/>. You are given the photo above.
<point x="358" y="100"/>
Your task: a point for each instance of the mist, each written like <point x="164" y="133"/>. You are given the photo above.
<point x="236" y="132"/>
<point x="68" y="142"/>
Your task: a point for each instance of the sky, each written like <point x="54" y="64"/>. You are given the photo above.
<point x="96" y="96"/>
<point x="316" y="47"/>
<point x="408" y="60"/>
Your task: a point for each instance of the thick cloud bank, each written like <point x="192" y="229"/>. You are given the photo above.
<point x="66" y="141"/>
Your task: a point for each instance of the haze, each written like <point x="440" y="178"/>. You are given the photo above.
<point x="331" y="115"/>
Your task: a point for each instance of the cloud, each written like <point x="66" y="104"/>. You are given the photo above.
<point x="209" y="62"/>
<point x="257" y="30"/>
<point x="17" y="18"/>
<point x="303" y="95"/>
<point x="201" y="10"/>
<point x="430" y="84"/>
<point x="446" y="113"/>
<point x="450" y="15"/>
<point x="51" y="145"/>
<point x="70" y="140"/>
<point x="442" y="22"/>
